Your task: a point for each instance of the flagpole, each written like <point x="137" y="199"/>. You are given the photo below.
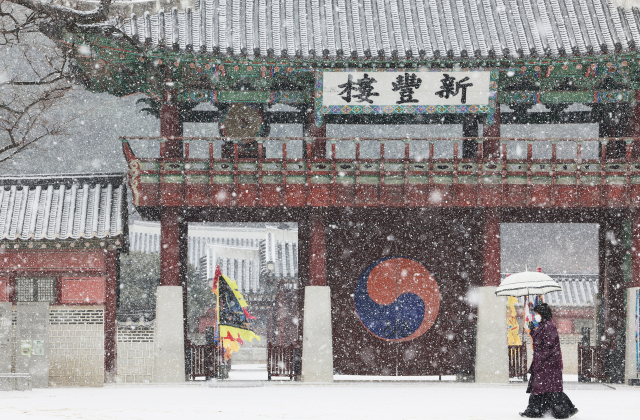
<point x="216" y="283"/>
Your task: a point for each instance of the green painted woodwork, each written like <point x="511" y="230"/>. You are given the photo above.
<point x="369" y="180"/>
<point x="418" y="179"/>
<point x="120" y="67"/>
<point x="567" y="97"/>
<point x="272" y="179"/>
<point x="198" y="179"/>
<point x="566" y="180"/>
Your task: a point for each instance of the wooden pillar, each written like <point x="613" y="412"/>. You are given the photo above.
<point x="491" y="248"/>
<point x="110" y="347"/>
<point x="612" y="311"/>
<point x="317" y="250"/>
<point x="470" y="129"/>
<point x="319" y="134"/>
<point x="635" y="126"/>
<point x="170" y="246"/>
<point x="183" y="257"/>
<point x="171" y="127"/>
<point x="491" y="146"/>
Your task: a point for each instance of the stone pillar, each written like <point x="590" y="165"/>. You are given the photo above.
<point x="317" y="344"/>
<point x="491" y="145"/>
<point x="6" y="349"/>
<point x="633" y="288"/>
<point x="492" y="357"/>
<point x="32" y="342"/>
<point x="169" y="329"/>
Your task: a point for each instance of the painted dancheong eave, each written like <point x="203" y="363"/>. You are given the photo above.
<point x="405" y="182"/>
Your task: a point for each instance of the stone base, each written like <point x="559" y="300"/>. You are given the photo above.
<point x="492" y="352"/>
<point x="317" y="344"/>
<point x="169" y="336"/>
<point x="15" y="382"/>
<point x="631" y="368"/>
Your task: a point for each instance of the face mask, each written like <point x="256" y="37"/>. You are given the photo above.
<point x="538" y="318"/>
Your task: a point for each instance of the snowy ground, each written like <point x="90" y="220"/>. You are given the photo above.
<point x="243" y="397"/>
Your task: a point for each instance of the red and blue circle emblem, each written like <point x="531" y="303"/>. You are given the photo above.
<point x="397" y="299"/>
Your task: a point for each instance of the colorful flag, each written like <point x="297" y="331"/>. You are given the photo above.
<point x="529" y="315"/>
<point x="513" y="336"/>
<point x="233" y="317"/>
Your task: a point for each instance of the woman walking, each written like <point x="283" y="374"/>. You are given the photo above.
<point x="545" y="382"/>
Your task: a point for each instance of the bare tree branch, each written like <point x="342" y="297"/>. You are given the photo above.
<point x="63" y="13"/>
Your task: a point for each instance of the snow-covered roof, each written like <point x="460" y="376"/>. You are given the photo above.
<point x="578" y="290"/>
<point x="393" y="28"/>
<point x="62" y="207"/>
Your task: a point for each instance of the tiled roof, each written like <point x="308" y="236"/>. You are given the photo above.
<point x="578" y="290"/>
<point x="393" y="28"/>
<point x="62" y="207"/>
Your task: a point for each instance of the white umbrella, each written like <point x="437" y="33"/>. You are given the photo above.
<point x="527" y="283"/>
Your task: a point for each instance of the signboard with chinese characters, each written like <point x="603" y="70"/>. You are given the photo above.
<point x="398" y="91"/>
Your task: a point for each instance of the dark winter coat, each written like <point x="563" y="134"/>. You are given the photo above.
<point x="546" y="368"/>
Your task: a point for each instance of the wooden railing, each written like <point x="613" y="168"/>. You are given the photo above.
<point x="518" y="362"/>
<point x="591" y="362"/>
<point x="204" y="360"/>
<point x="401" y="173"/>
<point x="284" y="361"/>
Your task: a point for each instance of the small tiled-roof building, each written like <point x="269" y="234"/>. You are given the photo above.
<point x="60" y="237"/>
<point x="573" y="308"/>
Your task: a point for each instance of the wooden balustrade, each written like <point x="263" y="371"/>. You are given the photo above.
<point x="205" y="360"/>
<point x="405" y="180"/>
<point x="518" y="362"/>
<point x="283" y="361"/>
<point x="591" y="362"/>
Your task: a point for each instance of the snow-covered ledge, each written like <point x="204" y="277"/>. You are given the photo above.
<point x="317" y="346"/>
<point x="492" y="351"/>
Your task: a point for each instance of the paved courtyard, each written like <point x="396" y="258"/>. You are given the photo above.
<point x="251" y="399"/>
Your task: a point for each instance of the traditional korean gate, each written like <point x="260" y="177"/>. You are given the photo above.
<point x="406" y="312"/>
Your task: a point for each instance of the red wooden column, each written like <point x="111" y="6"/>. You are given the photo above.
<point x="110" y="347"/>
<point x="170" y="217"/>
<point x="170" y="245"/>
<point x="317" y="250"/>
<point x="170" y="126"/>
<point x="319" y="134"/>
<point x="491" y="248"/>
<point x="635" y="126"/>
<point x="491" y="146"/>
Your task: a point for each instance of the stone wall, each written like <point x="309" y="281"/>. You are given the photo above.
<point x="75" y="347"/>
<point x="76" y="335"/>
<point x="135" y="354"/>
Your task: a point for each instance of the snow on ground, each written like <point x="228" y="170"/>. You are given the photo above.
<point x="257" y="399"/>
